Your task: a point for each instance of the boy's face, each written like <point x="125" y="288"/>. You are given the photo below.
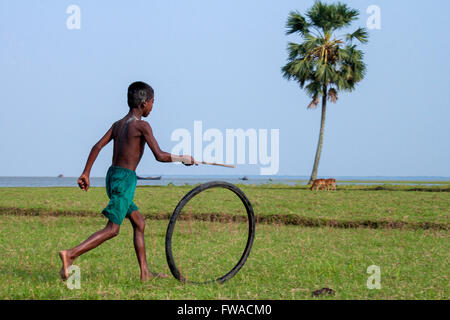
<point x="148" y="106"/>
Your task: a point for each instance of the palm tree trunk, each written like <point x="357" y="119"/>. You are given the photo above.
<point x="319" y="144"/>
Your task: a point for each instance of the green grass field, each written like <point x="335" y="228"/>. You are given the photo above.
<point x="407" y="238"/>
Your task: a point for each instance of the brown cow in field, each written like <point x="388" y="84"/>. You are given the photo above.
<point x="331" y="184"/>
<point x="327" y="184"/>
<point x="318" y="184"/>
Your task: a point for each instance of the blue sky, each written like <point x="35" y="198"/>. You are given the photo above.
<point x="218" y="62"/>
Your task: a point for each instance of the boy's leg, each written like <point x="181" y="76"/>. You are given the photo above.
<point x="138" y="223"/>
<point x="68" y="256"/>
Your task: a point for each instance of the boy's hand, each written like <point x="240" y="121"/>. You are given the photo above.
<point x="189" y="161"/>
<point x="83" y="182"/>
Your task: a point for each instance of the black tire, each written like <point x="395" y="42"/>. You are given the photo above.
<point x="251" y="230"/>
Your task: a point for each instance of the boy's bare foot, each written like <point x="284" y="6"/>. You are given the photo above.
<point x="66" y="263"/>
<point x="151" y="275"/>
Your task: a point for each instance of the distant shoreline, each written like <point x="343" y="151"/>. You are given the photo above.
<point x="6" y="182"/>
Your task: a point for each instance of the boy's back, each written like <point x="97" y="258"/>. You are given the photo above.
<point x="129" y="142"/>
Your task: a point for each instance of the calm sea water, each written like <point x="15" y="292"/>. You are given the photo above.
<point x="192" y="180"/>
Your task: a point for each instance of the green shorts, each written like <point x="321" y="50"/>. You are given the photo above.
<point x="120" y="187"/>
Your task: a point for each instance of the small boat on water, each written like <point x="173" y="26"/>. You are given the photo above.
<point x="244" y="178"/>
<point x="148" y="178"/>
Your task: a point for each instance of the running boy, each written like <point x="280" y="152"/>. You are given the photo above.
<point x="130" y="135"/>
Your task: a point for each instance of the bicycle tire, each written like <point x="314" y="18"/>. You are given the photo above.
<point x="170" y="228"/>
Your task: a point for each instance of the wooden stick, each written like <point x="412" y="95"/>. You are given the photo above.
<point x="217" y="164"/>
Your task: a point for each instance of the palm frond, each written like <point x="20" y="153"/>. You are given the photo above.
<point x="314" y="89"/>
<point x="314" y="102"/>
<point x="360" y="34"/>
<point x="332" y="95"/>
<point x="331" y="17"/>
<point x="345" y="15"/>
<point x="297" y="23"/>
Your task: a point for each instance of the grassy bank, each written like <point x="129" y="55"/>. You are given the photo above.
<point x="402" y="229"/>
<point x="286" y="262"/>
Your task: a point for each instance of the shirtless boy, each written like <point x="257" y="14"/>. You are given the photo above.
<point x="130" y="135"/>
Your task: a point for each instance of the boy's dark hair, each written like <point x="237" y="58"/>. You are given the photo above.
<point x="139" y="92"/>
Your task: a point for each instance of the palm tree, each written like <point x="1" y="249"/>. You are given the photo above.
<point x="324" y="64"/>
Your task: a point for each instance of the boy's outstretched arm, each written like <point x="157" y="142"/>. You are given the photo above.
<point x="160" y="155"/>
<point x="83" y="180"/>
